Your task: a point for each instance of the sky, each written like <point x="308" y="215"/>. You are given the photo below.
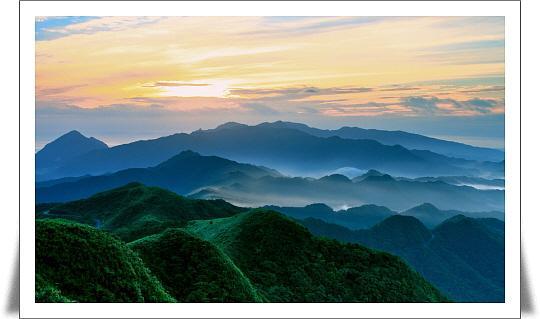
<point x="122" y="79"/>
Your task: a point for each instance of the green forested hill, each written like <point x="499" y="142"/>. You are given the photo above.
<point x="194" y="270"/>
<point x="463" y="256"/>
<point x="79" y="263"/>
<point x="188" y="251"/>
<point x="135" y="210"/>
<point x="288" y="264"/>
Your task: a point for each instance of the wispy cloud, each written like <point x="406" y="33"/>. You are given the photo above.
<point x="50" y="28"/>
<point x="448" y="106"/>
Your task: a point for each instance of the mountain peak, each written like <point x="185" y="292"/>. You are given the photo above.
<point x="371" y="172"/>
<point x="183" y="155"/>
<point x="230" y="125"/>
<point x="75" y="136"/>
<point x="64" y="148"/>
<point x="73" y="133"/>
<point x="335" y="178"/>
<point x="379" y="178"/>
<point x="406" y="230"/>
<point x="188" y="153"/>
<point x="426" y="207"/>
<point x="319" y="206"/>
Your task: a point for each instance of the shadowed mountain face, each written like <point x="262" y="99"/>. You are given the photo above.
<point x="64" y="149"/>
<point x="463" y="257"/>
<point x="289" y="150"/>
<point x="405" y="139"/>
<point x="210" y="177"/>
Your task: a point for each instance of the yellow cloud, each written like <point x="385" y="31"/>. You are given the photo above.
<point x="112" y="59"/>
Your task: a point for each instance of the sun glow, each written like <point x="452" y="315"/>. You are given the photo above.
<point x="215" y="88"/>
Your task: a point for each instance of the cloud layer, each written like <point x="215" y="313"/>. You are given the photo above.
<point x="326" y="70"/>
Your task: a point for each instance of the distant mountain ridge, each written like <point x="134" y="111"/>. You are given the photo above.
<point x="339" y="191"/>
<point x="462" y="256"/>
<point x="432" y="216"/>
<point x="367" y="216"/>
<point x="405" y="139"/>
<point x="181" y="173"/>
<point x="289" y="150"/>
<point x="212" y="177"/>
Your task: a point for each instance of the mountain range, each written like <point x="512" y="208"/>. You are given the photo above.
<point x="366" y="216"/>
<point x="211" y="177"/>
<point x="405" y="139"/>
<point x="251" y="256"/>
<point x="181" y="173"/>
<point x="175" y="219"/>
<point x="462" y="256"/>
<point x="289" y="150"/>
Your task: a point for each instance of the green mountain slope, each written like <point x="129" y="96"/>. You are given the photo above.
<point x="194" y="270"/>
<point x="287" y="264"/>
<point x="79" y="263"/>
<point x="134" y="210"/>
<point x="463" y="257"/>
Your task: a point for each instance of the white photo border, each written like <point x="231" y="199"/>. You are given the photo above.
<point x="509" y="9"/>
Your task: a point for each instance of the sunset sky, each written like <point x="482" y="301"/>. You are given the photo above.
<point x="126" y="78"/>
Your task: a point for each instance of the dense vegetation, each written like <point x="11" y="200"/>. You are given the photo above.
<point x="134" y="210"/>
<point x="463" y="256"/>
<point x="194" y="270"/>
<point x="287" y="264"/>
<point x="251" y="256"/>
<point x="79" y="263"/>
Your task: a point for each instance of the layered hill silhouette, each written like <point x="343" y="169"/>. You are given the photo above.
<point x="463" y="256"/>
<point x="366" y="216"/>
<point x="252" y="256"/>
<point x="405" y="139"/>
<point x="181" y="173"/>
<point x="289" y="150"/>
<point x="431" y="216"/>
<point x="359" y="217"/>
<point x="338" y="191"/>
<point x="477" y="182"/>
<point x="211" y="177"/>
